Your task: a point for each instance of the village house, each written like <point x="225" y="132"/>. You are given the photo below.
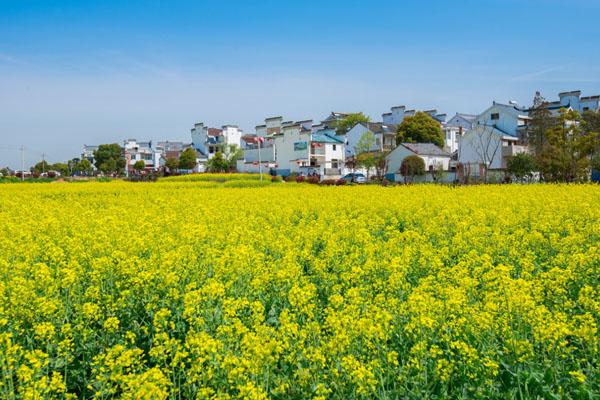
<point x="436" y="160"/>
<point x="455" y="128"/>
<point x="496" y="135"/>
<point x="209" y="141"/>
<point x="571" y="101"/>
<point x="135" y="151"/>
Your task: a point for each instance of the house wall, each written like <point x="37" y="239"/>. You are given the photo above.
<point x="458" y="121"/>
<point x="284" y="148"/>
<point x="508" y="121"/>
<point x="353" y="136"/>
<point x="395" y="117"/>
<point x="233" y="135"/>
<point x="398" y="155"/>
<point x="266" y="154"/>
<point x="469" y="145"/>
<point x="199" y="137"/>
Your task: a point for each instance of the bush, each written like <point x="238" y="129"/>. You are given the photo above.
<point x="340" y="182"/>
<point x="299" y="179"/>
<point x="276" y="179"/>
<point x="313" y="179"/>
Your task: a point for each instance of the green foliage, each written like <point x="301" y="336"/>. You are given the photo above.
<point x="246" y="183"/>
<point x="420" y="128"/>
<point x="521" y="166"/>
<point x="187" y="159"/>
<point x="172" y="164"/>
<point x="40" y="167"/>
<point x="109" y="158"/>
<point x="412" y="166"/>
<point x="85" y="166"/>
<point x="218" y="163"/>
<point x="139" y="165"/>
<point x="350" y="121"/>
<point x="567" y="149"/>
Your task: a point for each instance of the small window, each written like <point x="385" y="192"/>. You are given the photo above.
<point x="334" y="147"/>
<point x="495" y="116"/>
<point x="586" y="109"/>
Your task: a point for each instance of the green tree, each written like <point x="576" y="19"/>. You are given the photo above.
<point x="40" y="167"/>
<point x="63" y="168"/>
<point x="109" y="158"/>
<point x="172" y="164"/>
<point x="187" y="159"/>
<point x="521" y="166"/>
<point x="232" y="154"/>
<point x="365" y="158"/>
<point x="85" y="167"/>
<point x="218" y="163"/>
<point x="420" y="128"/>
<point x="412" y="166"/>
<point x="139" y="165"/>
<point x="350" y="121"/>
<point x="566" y="155"/>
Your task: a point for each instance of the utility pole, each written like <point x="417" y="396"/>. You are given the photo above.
<point x="22" y="163"/>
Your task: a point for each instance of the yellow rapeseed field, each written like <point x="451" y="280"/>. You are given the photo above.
<point x="184" y="290"/>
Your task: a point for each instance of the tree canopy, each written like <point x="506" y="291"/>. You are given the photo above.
<point x="109" y="158"/>
<point x="187" y="159"/>
<point x="420" y="128"/>
<point x="349" y="122"/>
<point x="521" y="166"/>
<point x="412" y="166"/>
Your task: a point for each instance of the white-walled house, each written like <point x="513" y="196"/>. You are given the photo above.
<point x="384" y="135"/>
<point x="493" y="139"/>
<point x="140" y="151"/>
<point x="455" y="128"/>
<point x="433" y="157"/>
<point x="209" y="141"/>
<point x="398" y="113"/>
<point x="259" y="154"/>
<point x="572" y="100"/>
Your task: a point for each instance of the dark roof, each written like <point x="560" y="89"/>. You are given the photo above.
<point x="380" y="127"/>
<point x="214" y="132"/>
<point x="426" y="149"/>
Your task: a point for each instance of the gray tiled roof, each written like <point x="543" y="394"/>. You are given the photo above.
<point x="425" y="149"/>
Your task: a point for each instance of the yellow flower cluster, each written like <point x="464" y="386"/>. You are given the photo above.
<point x="162" y="290"/>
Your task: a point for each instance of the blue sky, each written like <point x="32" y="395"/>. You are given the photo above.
<point x="87" y="72"/>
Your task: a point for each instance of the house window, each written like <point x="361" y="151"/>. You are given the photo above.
<point x="586" y="109"/>
<point x="334" y="163"/>
<point x="334" y="147"/>
<point x="495" y="116"/>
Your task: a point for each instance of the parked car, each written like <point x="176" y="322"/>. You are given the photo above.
<point x="355" y="177"/>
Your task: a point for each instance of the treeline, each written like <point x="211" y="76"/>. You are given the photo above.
<point x="562" y="148"/>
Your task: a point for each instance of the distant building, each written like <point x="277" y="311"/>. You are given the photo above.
<point x="208" y="141"/>
<point x="455" y="128"/>
<point x="398" y="113"/>
<point x="572" y="101"/>
<point x="136" y="151"/>
<point x="384" y="137"/>
<point x="496" y="135"/>
<point x="434" y="158"/>
<point x="88" y="154"/>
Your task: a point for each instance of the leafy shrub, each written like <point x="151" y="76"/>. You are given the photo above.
<point x="313" y="179"/>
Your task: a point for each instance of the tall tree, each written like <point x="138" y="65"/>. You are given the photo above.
<point x="566" y="155"/>
<point x="218" y="163"/>
<point x="109" y="158"/>
<point x="172" y="164"/>
<point x="420" y="128"/>
<point x="365" y="157"/>
<point x="187" y="159"/>
<point x="350" y="121"/>
<point x="412" y="166"/>
<point x="521" y="166"/>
